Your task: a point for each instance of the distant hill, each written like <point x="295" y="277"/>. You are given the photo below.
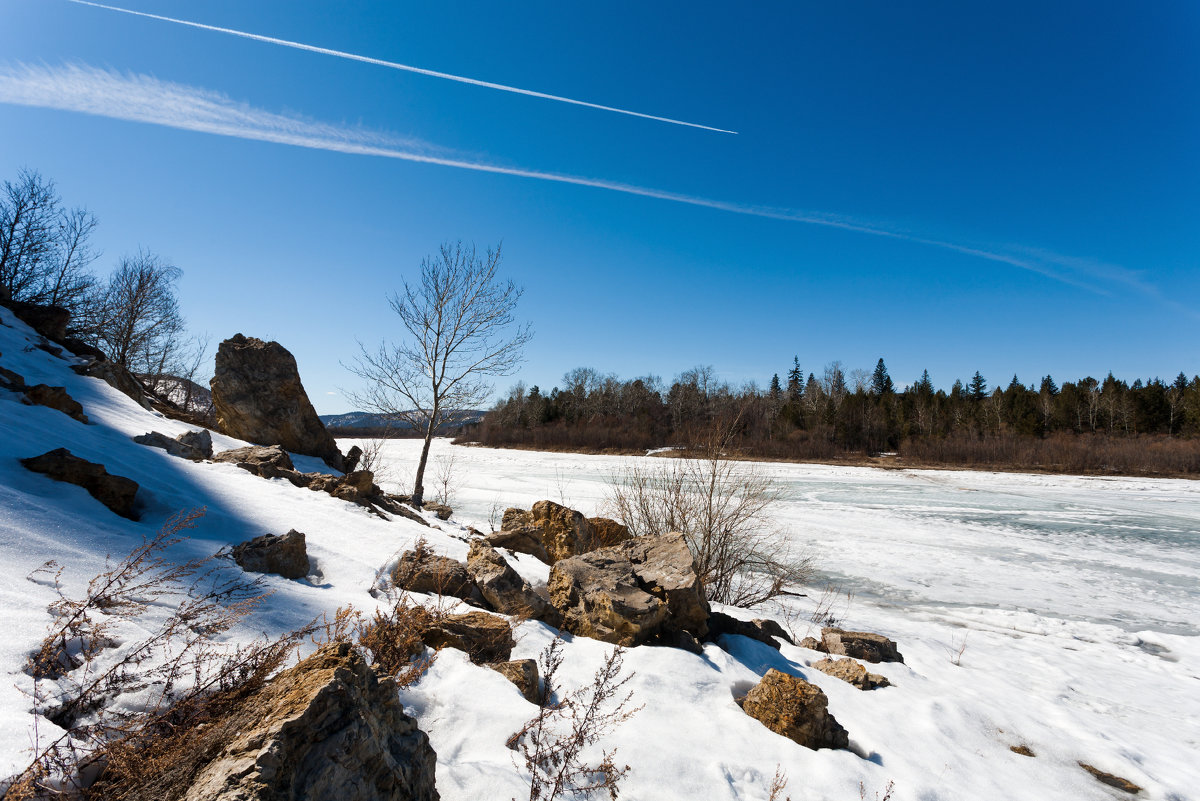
<point x="374" y="424"/>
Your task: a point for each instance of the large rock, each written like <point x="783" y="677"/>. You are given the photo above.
<point x="194" y="445"/>
<point x="258" y="396"/>
<point x="55" y="398"/>
<point x="484" y="637"/>
<point x="266" y="461"/>
<point x="422" y="571"/>
<point x="863" y="645"/>
<point x="790" y="706"/>
<point x="327" y="728"/>
<point x="849" y="670"/>
<point x="115" y="492"/>
<point x="286" y="556"/>
<point x="642" y="591"/>
<point x="503" y="588"/>
<point x="765" y="631"/>
<point x="551" y="531"/>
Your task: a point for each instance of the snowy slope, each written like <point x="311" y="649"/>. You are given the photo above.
<point x="1070" y="684"/>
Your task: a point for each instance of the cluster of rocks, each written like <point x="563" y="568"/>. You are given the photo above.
<point x="863" y="645"/>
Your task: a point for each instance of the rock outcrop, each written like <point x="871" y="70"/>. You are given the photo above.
<point x="326" y="728"/>
<point x="194" y="445"/>
<point x="55" y="398"/>
<point x="440" y="510"/>
<point x="524" y="674"/>
<point x="642" y="591"/>
<point x="551" y="531"/>
<point x="49" y="321"/>
<point x="798" y="710"/>
<point x="484" y="637"/>
<point x="765" y="631"/>
<point x="422" y="571"/>
<point x="852" y="672"/>
<point x="285" y="556"/>
<point x="258" y="396"/>
<point x="116" y="377"/>
<point x="115" y="492"/>
<point x="503" y="588"/>
<point x="863" y="645"/>
<point x="265" y="461"/>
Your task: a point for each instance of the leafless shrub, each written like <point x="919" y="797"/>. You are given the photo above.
<point x="444" y="484"/>
<point x="722" y="508"/>
<point x="552" y="743"/>
<point x="173" y="668"/>
<point x="778" y="786"/>
<point x="887" y="792"/>
<point x="958" y="649"/>
<point x="392" y="640"/>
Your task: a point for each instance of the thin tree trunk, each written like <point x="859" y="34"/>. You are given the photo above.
<point x="418" y="493"/>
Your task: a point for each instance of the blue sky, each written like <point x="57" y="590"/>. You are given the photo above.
<point x="1015" y="187"/>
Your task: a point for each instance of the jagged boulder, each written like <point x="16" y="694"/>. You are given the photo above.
<point x="798" y="710"/>
<point x="852" y="672"/>
<point x="422" y="571"/>
<point x="642" y="591"/>
<point x="115" y="492"/>
<point x="863" y="645"/>
<point x="194" y="445"/>
<point x="484" y="637"/>
<point x="116" y="377"/>
<point x="607" y="532"/>
<point x="285" y="556"/>
<point x="258" y="396"/>
<point x="266" y="461"/>
<point x="55" y="398"/>
<point x="524" y="674"/>
<point x="326" y="728"/>
<point x="551" y="531"/>
<point x="765" y="631"/>
<point x="503" y="588"/>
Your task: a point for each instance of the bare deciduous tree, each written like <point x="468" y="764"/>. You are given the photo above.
<point x="461" y="331"/>
<point x="136" y="320"/>
<point x="44" y="248"/>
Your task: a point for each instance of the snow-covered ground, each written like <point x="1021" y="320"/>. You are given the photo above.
<point x="1076" y="600"/>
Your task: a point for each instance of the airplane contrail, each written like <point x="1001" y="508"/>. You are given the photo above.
<point x="405" y="67"/>
<point x="143" y="98"/>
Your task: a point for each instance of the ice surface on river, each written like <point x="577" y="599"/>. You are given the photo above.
<point x="1118" y="551"/>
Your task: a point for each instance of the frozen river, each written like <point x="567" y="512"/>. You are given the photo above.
<point x="1116" y="551"/>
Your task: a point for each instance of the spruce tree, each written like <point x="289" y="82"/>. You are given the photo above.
<point x="881" y="382"/>
<point x="978" y="386"/>
<point x="795" y="380"/>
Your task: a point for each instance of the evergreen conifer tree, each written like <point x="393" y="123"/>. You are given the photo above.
<point x="881" y="382"/>
<point x="978" y="386"/>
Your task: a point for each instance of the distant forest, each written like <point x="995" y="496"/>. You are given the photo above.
<point x="1086" y="426"/>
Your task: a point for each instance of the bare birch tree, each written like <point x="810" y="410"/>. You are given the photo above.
<point x="461" y="330"/>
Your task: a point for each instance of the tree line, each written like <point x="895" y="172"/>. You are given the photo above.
<point x="1087" y="425"/>
<point x="132" y="314"/>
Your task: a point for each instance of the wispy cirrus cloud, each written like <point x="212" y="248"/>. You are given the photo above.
<point x="143" y="98"/>
<point x="378" y="62"/>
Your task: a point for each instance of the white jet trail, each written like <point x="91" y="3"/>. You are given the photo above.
<point x="405" y="67"/>
<point x="143" y="98"/>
